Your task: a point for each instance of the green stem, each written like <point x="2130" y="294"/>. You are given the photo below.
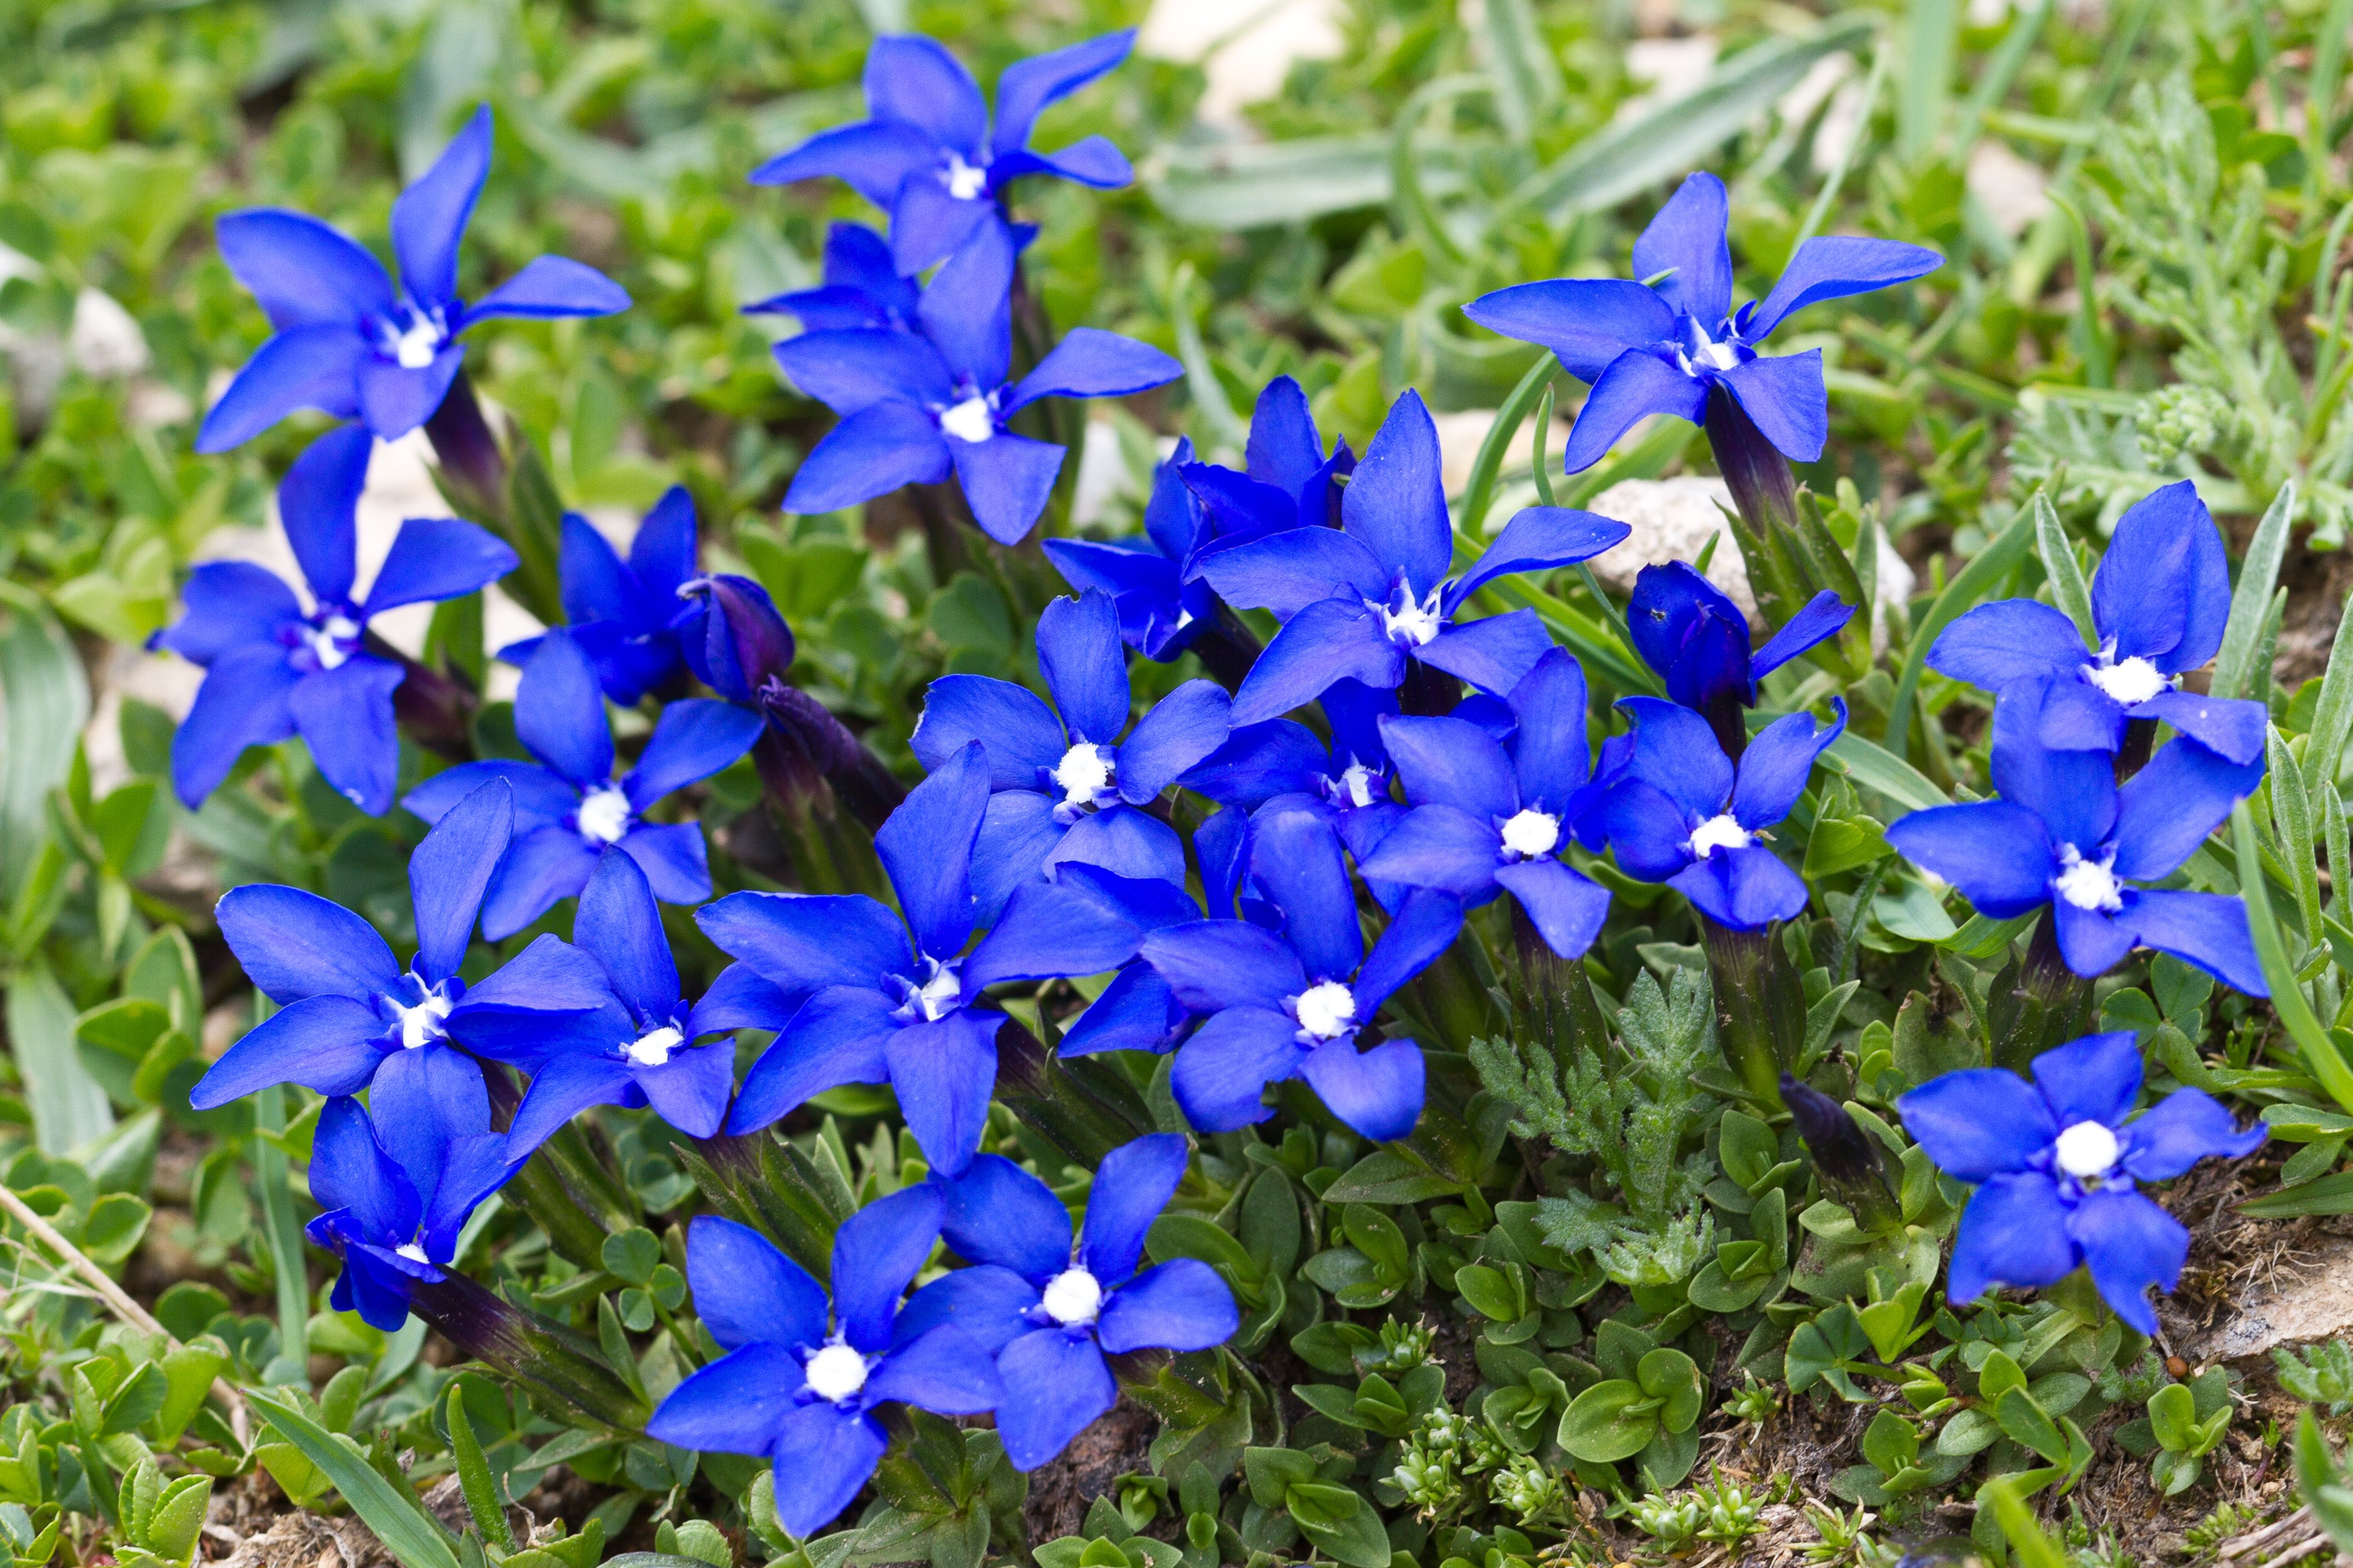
<point x="1760" y="1005"/>
<point x="283" y="1229"/>
<point x="1478" y="492"/>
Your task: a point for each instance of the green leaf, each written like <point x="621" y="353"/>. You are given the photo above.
<point x="1874" y="767"/>
<point x="1891" y="1442"/>
<point x="2059" y="564"/>
<point x="2033" y="1548"/>
<point x="1339" y="1522"/>
<point x="1520" y="64"/>
<point x="1673" y="1379"/>
<point x="1489" y="1291"/>
<point x="1386" y="1178"/>
<point x="68" y="1108"/>
<point x="1254" y="185"/>
<point x="2234" y="667"/>
<point x="406" y="1531"/>
<point x="2314" y="1045"/>
<point x="1610" y="1421"/>
<point x="44" y="704"/>
<point x="2173" y="1416"/>
<point x="475" y="1481"/>
<point x="2027" y="1422"/>
<point x="632" y="1254"/>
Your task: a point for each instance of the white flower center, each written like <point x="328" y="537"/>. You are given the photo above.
<point x="834" y="1373"/>
<point x="2088" y="884"/>
<point x="938" y="995"/>
<point x="1407" y="624"/>
<point x="1720" y="832"/>
<point x="2086" y="1149"/>
<point x="2133" y="682"/>
<point x="653" y="1050"/>
<point x="1705" y="351"/>
<point x="422" y="1023"/>
<point x="1356" y="784"/>
<point x="963" y="180"/>
<point x="1532" y="833"/>
<point x="418" y="342"/>
<point x="604" y="816"/>
<point x="412" y="1251"/>
<point x="971" y="421"/>
<point x="1074" y="1298"/>
<point x="333" y="640"/>
<point x="1326" y="1010"/>
<point x="1084" y="772"/>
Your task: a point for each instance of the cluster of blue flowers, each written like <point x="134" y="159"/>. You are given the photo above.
<point x="1391" y="759"/>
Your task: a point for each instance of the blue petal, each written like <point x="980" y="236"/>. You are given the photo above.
<point x="2130" y="1245"/>
<point x="1676" y="754"/>
<point x="1297" y="860"/>
<point x="346" y="716"/>
<point x="232" y="604"/>
<point x="1377" y="1092"/>
<point x="966" y="310"/>
<point x="1586" y="322"/>
<point x="1175" y="732"/>
<point x="294" y="944"/>
<point x="350" y="1170"/>
<point x="1211" y="966"/>
<point x="1995" y="852"/>
<point x="1092" y="363"/>
<point x="1028" y="86"/>
<point x="875" y="1256"/>
<point x="943" y="1073"/>
<point x="1007" y="479"/>
<point x="395" y="399"/>
<point x="1636" y="384"/>
<point x="450" y="871"/>
<point x="1180" y="1305"/>
<point x="1832" y="267"/>
<point x="1330" y="640"/>
<point x="943" y="1369"/>
<point x="1538" y="539"/>
<point x="1056" y="1384"/>
<point x="692" y="740"/>
<point x="837" y="1037"/>
<point x="1048" y="930"/>
<point x="301" y="367"/>
<point x="1747" y="889"/>
<point x="1260" y="762"/>
<point x="914" y="81"/>
<point x="987" y="1301"/>
<point x="2077" y="716"/>
<point x="1219" y="1076"/>
<point x="2163" y="589"/>
<point x="327" y="1043"/>
<point x="1566" y="907"/>
<point x="2208" y="929"/>
<point x="1687" y="241"/>
<point x="619" y="923"/>
<point x="1394" y="504"/>
<point x="1017" y="832"/>
<point x="1240" y="509"/>
<point x="560" y="713"/>
<point x="1697" y="639"/>
<point x="1021" y="735"/>
<point x="1549" y="758"/>
<point x="1785" y="399"/>
<point x="1979" y="1122"/>
<point x="1095" y="161"/>
<point x="2013" y="1232"/>
<point x="1284" y="449"/>
<point x="673" y="856"/>
<point x="926" y="850"/>
<point x="824" y="1455"/>
<point x="597" y="586"/>
<point x="429" y="217"/>
<point x="2075" y="793"/>
<point x="739" y="999"/>
<point x="1085" y="667"/>
<point x="2185" y="1127"/>
<point x="1648" y="833"/>
<point x="318" y="502"/>
<point x="562" y="1089"/>
<point x="242" y="703"/>
<point x="1822" y="618"/>
<point x="1425" y="926"/>
<point x="850" y="369"/>
<point x="801" y="941"/>
<point x="1136" y="1012"/>
<point x="737" y="1404"/>
<point x="424" y="1100"/>
<point x="1494" y="654"/>
<point x="999" y="1213"/>
<point x="2095" y="1079"/>
<point x="2166" y="810"/>
<point x="2006" y="641"/>
<point x="1439" y="846"/>
<point x="1773" y="769"/>
<point x="747" y="1292"/>
<point x="1291" y="569"/>
<point x="691" y="1090"/>
<point x="543" y="866"/>
<point x="1131" y="1185"/>
<point x="2089" y="939"/>
<point x="434" y="558"/>
<point x="872" y="452"/>
<point x="302" y="271"/>
<point x="663" y="555"/>
<point x="874" y="158"/>
<point x="549" y="288"/>
<point x="1453" y="763"/>
<point x="2231" y="727"/>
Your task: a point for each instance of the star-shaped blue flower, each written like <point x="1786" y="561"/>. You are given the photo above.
<point x="927" y="153"/>
<point x="398" y="1187"/>
<point x="2056" y="1163"/>
<point x="625" y="614"/>
<point x="859" y="287"/>
<point x="799" y="1384"/>
<point x="2159" y="601"/>
<point x="917" y="405"/>
<point x="350" y="343"/>
<point x="1160" y="613"/>
<point x="1662" y="345"/>
<point x="274" y="670"/>
<point x="2065" y="835"/>
<point x="1049" y="1308"/>
<point x="1364" y="600"/>
<point x="1697" y="639"/>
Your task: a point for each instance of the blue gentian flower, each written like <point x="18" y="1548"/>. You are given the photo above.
<point x="733" y="636"/>
<point x="398" y="1187"/>
<point x="1291" y="1003"/>
<point x="1364" y="600"/>
<point x="927" y="153"/>
<point x="2159" y="601"/>
<point x="348" y="342"/>
<point x="1687" y="629"/>
<point x="623" y="613"/>
<point x="799" y="1385"/>
<point x="1490" y="817"/>
<point x="1067" y="787"/>
<point x="1049" y="1307"/>
<point x="874" y="1007"/>
<point x="349" y="1015"/>
<point x="1160" y="613"/>
<point x="916" y="405"/>
<point x="645" y="1051"/>
<point x="1682" y="814"/>
<point x="1663" y="345"/>
<point x="1280" y="765"/>
<point x="1286" y="481"/>
<point x="2067" y="836"/>
<point x="861" y="288"/>
<point x="1135" y="1011"/>
<point x="571" y="808"/>
<point x="2056" y="1171"/>
<point x="273" y="669"/>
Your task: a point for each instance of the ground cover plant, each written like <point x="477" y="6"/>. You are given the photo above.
<point x="864" y="785"/>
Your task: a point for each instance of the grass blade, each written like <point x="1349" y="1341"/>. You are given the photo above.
<point x="406" y="1532"/>
<point x="2067" y="586"/>
<point x="68" y="1107"/>
<point x="44" y="704"/>
<point x="1932" y="38"/>
<point x="2332" y="718"/>
<point x="2292" y="822"/>
<point x="2321" y="1058"/>
<point x="283" y="1229"/>
<point x="2234" y="667"/>
<point x="1526" y="79"/>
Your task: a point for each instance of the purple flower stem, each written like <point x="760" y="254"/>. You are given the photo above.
<point x="434" y="709"/>
<point x="758" y="1181"/>
<point x="472" y="462"/>
<point x="2140" y="738"/>
<point x="528" y="1348"/>
<point x="1760" y="1005"/>
<point x="2038" y="1002"/>
<point x="1079" y="1106"/>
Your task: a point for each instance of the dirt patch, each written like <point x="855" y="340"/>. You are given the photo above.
<point x="1062" y="1492"/>
<point x="251" y="1525"/>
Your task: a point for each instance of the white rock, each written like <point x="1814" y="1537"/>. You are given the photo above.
<point x="1672" y="520"/>
<point x="104" y="339"/>
<point x="1673" y="68"/>
<point x="153" y="405"/>
<point x="1841" y="124"/>
<point x="1245" y="47"/>
<point x="1460" y="434"/>
<point x="2011" y="190"/>
<point x="1102" y="474"/>
<point x="2313" y="1303"/>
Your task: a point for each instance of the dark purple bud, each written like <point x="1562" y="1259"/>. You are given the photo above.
<point x="806" y="748"/>
<point x="732" y="637"/>
<point x="1848" y="1158"/>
